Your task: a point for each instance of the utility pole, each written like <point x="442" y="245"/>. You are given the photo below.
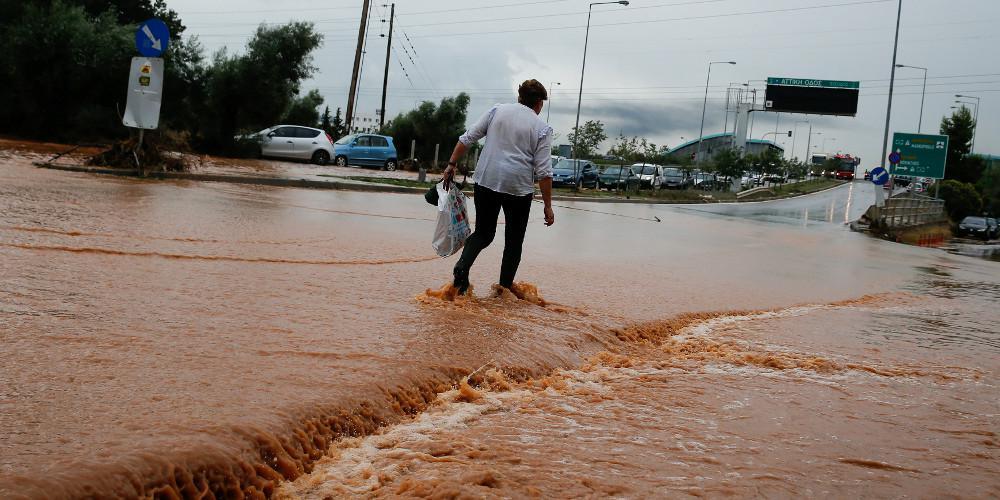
<point x="385" y="80"/>
<point x="892" y="85"/>
<point x="349" y="118"/>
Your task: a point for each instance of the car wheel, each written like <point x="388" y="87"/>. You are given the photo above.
<point x="321" y="157"/>
<point x="341" y="161"/>
<point x="390" y="165"/>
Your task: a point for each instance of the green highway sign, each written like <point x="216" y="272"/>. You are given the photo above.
<point x="805" y="82"/>
<point x="920" y="155"/>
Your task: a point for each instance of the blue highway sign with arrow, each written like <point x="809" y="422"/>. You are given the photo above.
<point x="879" y="176"/>
<point x="152" y="38"/>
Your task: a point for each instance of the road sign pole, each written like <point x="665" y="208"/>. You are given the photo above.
<point x="138" y="149"/>
<point x="892" y="84"/>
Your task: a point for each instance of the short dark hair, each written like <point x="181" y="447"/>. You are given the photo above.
<point x="531" y="92"/>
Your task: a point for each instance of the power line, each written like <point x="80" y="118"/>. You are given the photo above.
<point x="664" y="20"/>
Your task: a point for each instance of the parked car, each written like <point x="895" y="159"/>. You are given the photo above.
<point x="707" y="182"/>
<point x="916" y="187"/>
<point x="366" y="150"/>
<point x="293" y="141"/>
<point x="582" y="173"/>
<point x="750" y="180"/>
<point x="978" y="227"/>
<point x="675" y="178"/>
<point x="650" y="176"/>
<point x="714" y="185"/>
<point x="618" y="178"/>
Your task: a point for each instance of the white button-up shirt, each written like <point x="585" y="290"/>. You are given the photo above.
<point x="518" y="149"/>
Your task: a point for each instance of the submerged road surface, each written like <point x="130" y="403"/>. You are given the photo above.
<point x="174" y="337"/>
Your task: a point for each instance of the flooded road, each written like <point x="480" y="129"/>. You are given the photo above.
<point x="185" y="337"/>
<point x="841" y="205"/>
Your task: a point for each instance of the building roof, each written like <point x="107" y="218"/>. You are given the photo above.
<point x="723" y="134"/>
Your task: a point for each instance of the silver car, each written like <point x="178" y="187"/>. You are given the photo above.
<point x="650" y="176"/>
<point x="293" y="141"/>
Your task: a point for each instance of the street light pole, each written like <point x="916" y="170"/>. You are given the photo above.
<point x="923" y="95"/>
<point x="704" y="105"/>
<point x="809" y="147"/>
<point x="892" y="86"/>
<point x="548" y="116"/>
<point x="579" y="98"/>
<point x="975" y="130"/>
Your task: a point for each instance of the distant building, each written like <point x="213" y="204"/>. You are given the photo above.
<point x="365" y="125"/>
<point x="712" y="145"/>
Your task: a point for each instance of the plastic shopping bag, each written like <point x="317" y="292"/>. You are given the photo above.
<point x="453" y="220"/>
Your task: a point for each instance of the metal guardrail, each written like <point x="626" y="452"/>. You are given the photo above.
<point x="908" y="211"/>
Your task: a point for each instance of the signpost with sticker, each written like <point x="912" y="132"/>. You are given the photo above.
<point x="145" y="80"/>
<point x="145" y="92"/>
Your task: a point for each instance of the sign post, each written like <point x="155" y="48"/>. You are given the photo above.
<point x="145" y="81"/>
<point x="880" y="177"/>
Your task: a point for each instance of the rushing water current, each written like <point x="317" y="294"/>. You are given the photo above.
<point x="175" y="338"/>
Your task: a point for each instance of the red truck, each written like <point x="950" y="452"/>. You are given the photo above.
<point x="846" y="167"/>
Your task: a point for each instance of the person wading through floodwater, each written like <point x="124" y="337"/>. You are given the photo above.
<point x="518" y="153"/>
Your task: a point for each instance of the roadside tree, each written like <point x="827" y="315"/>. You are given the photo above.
<point x="989" y="189"/>
<point x="591" y="135"/>
<point x="252" y="91"/>
<point x="729" y="163"/>
<point x="962" y="166"/>
<point x="626" y="148"/>
<point x="960" y="199"/>
<point x="430" y="124"/>
<point x="304" y="110"/>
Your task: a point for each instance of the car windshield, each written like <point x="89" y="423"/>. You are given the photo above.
<point x="567" y="163"/>
<point x="672" y="172"/>
<point x="345" y="140"/>
<point x="563" y="169"/>
<point x="612" y="171"/>
<point x="974" y="221"/>
<point x="648" y="170"/>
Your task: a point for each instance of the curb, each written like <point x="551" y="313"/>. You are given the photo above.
<point x="237" y="179"/>
<point x="358" y="185"/>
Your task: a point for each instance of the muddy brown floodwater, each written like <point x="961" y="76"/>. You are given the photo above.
<point x="198" y="340"/>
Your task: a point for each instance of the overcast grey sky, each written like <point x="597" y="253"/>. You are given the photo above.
<point x="646" y="64"/>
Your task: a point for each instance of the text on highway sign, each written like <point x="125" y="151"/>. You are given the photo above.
<point x="920" y="155"/>
<point x="805" y="82"/>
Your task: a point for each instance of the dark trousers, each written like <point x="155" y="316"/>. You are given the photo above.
<point x="515" y="210"/>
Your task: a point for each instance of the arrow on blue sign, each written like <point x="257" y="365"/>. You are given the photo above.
<point x="152" y="38"/>
<point x="879" y="176"/>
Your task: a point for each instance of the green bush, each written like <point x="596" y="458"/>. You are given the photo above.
<point x="960" y="199"/>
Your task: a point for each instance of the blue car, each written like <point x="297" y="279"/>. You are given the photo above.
<point x="567" y="173"/>
<point x="366" y="150"/>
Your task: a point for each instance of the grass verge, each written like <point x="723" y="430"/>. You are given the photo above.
<point x="665" y="195"/>
<point x="792" y="190"/>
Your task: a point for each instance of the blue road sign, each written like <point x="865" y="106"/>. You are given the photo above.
<point x="879" y="176"/>
<point x="894" y="157"/>
<point x="152" y="38"/>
